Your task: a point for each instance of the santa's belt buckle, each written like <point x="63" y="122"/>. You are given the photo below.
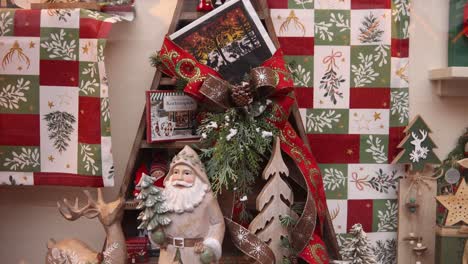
<point x="178" y="242"/>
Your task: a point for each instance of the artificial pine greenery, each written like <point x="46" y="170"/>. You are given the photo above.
<point x="370" y="31"/>
<point x="152" y="201"/>
<point x="357" y="248"/>
<point x="155" y="61"/>
<point x="455" y="155"/>
<point x="236" y="142"/>
<point x="60" y="127"/>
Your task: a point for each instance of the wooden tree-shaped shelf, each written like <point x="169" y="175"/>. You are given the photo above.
<point x="183" y="15"/>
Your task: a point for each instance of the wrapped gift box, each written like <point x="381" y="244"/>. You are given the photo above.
<point x="458" y="39"/>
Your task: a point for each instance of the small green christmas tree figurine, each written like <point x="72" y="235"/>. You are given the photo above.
<point x="151" y="201"/>
<point x="357" y="248"/>
<point x="417" y="146"/>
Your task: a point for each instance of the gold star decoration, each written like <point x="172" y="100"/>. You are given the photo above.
<point x="456" y="204"/>
<point x="349" y="152"/>
<point x="50" y="104"/>
<point x="377" y="116"/>
<point x="32" y="45"/>
<point x="51" y="158"/>
<point x="85" y="49"/>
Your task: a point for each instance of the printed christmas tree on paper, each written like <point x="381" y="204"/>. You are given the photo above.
<point x="417" y="146"/>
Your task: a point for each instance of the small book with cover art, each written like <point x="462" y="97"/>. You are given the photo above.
<point x="171" y="116"/>
<point x="230" y="39"/>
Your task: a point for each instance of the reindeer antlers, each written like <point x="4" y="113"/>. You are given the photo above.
<point x="90" y="210"/>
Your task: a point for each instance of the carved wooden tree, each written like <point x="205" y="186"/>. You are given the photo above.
<point x="267" y="224"/>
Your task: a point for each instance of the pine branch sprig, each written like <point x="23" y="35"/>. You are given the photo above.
<point x="235" y="145"/>
<point x="60" y="127"/>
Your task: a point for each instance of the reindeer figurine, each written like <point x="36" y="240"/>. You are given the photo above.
<point x="72" y="251"/>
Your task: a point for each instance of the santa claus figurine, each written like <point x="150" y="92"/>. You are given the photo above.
<point x="196" y="232"/>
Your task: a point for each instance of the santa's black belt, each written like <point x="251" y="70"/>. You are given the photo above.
<point x="180" y="242"/>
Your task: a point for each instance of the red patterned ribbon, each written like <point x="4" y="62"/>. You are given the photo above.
<point x="176" y="62"/>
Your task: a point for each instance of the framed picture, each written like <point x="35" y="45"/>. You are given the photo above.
<point x="230" y="39"/>
<point x="170" y="116"/>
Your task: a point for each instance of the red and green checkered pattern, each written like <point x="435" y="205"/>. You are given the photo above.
<point x="350" y="60"/>
<point x="54" y="105"/>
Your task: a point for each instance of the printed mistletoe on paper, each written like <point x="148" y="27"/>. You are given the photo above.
<point x="388" y="219"/>
<point x="377" y="149"/>
<point x="28" y="157"/>
<point x="333" y="179"/>
<point x="400" y="10"/>
<point x="370" y="30"/>
<point x="12" y="95"/>
<point x="381" y="54"/>
<point x="337" y="20"/>
<point x="340" y="22"/>
<point x="62" y="14"/>
<point x="105" y="110"/>
<point x="59" y="48"/>
<point x="322" y="30"/>
<point x="88" y="158"/>
<point x="386" y="251"/>
<point x="331" y="82"/>
<point x="381" y="182"/>
<point x="317" y="122"/>
<point x="400" y="105"/>
<point x="364" y="72"/>
<point x="6" y="21"/>
<point x="89" y="85"/>
<point x="303" y="3"/>
<point x="60" y="127"/>
<point x="300" y="74"/>
<point x="100" y="51"/>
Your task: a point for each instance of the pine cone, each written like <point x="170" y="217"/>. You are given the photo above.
<point x="241" y="94"/>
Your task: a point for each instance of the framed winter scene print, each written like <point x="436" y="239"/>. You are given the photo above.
<point x="171" y="116"/>
<point x="230" y="39"/>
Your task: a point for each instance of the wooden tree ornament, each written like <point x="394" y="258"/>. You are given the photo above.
<point x="267" y="224"/>
<point x="417" y="146"/>
<point x="416" y="213"/>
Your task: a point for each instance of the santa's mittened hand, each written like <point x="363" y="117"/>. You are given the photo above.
<point x="207" y="256"/>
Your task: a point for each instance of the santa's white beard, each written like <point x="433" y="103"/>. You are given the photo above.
<point x="184" y="199"/>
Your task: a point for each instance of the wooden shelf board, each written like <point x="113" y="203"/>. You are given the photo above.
<point x="449" y="73"/>
<point x="169" y="145"/>
<point x="450" y="81"/>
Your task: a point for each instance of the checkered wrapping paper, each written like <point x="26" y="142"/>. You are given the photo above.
<point x="54" y="105"/>
<point x="350" y="61"/>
